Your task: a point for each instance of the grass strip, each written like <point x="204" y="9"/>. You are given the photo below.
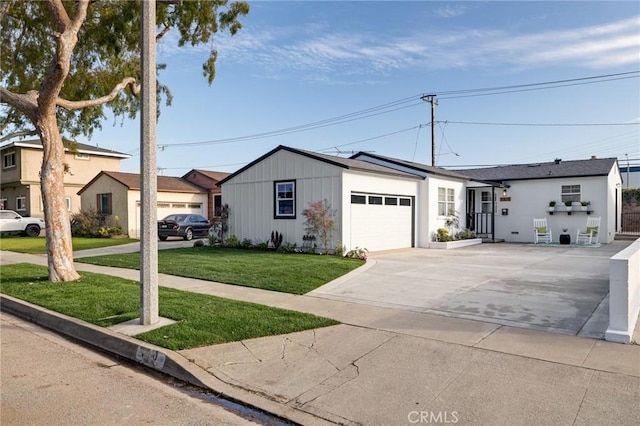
<point x="106" y="300"/>
<point x="38" y="245"/>
<point x="288" y="273"/>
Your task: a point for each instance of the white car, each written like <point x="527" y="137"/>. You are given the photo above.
<point x="12" y="223"/>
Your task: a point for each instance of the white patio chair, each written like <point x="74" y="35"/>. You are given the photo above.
<point x="590" y="234"/>
<point x="542" y="231"/>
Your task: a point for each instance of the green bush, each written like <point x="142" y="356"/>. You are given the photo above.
<point x="232" y="242"/>
<point x="443" y="235"/>
<point x="246" y="243"/>
<point x="91" y="223"/>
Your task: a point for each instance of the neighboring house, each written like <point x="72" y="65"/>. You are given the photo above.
<point x="530" y="187"/>
<point x="118" y="194"/>
<point x="385" y="203"/>
<point x="208" y="180"/>
<point x="20" y="174"/>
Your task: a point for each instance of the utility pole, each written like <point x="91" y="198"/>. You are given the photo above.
<point x="627" y="155"/>
<point x="433" y="101"/>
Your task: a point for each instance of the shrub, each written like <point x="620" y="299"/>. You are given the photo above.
<point x="91" y="223"/>
<point x="465" y="234"/>
<point x="262" y="245"/>
<point x="232" y="242"/>
<point x="246" y="243"/>
<point x="223" y="212"/>
<point x="339" y="251"/>
<point x="198" y="243"/>
<point x="443" y="235"/>
<point x="357" y="253"/>
<point x="288" y="248"/>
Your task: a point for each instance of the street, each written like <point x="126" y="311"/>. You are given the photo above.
<point x="46" y="379"/>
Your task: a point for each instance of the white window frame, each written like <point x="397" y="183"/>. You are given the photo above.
<point x="486" y="206"/>
<point x="278" y="199"/>
<point x="570" y="193"/>
<point x="82" y="156"/>
<point x="446" y="201"/>
<point x="9" y="155"/>
<point x="19" y="201"/>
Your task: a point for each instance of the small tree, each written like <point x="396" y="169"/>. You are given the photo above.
<point x="320" y="221"/>
<point x="223" y="212"/>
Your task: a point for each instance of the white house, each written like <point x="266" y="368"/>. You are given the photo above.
<point x="385" y="203"/>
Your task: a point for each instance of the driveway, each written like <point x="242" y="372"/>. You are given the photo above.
<point x="556" y="288"/>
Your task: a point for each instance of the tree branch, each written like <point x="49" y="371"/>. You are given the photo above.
<point x="26" y="103"/>
<point x="162" y="33"/>
<point x="129" y="82"/>
<point x="18" y="134"/>
<point x="81" y="15"/>
<point x="59" y="14"/>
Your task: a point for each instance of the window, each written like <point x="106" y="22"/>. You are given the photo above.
<point x="358" y="199"/>
<point x="217" y="205"/>
<point x="179" y="205"/>
<point x="162" y="205"/>
<point x="21" y="203"/>
<point x="486" y="202"/>
<point x="81" y="156"/>
<point x="285" y="199"/>
<point x="375" y="200"/>
<point x="390" y="201"/>
<point x="405" y="201"/>
<point x="104" y="203"/>
<point x="570" y="193"/>
<point x="446" y="202"/>
<point x="3" y="203"/>
<point x="9" y="160"/>
<point x="68" y="200"/>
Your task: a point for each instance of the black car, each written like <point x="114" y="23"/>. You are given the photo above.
<point x="185" y="225"/>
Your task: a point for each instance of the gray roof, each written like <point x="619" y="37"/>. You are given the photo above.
<point x="345" y="163"/>
<point x="81" y="148"/>
<point x="415" y="166"/>
<point x="561" y="169"/>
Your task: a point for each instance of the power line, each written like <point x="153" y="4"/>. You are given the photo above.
<point x="538" y="124"/>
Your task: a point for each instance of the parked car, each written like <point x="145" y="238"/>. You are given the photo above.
<point x="12" y="223"/>
<point x="185" y="225"/>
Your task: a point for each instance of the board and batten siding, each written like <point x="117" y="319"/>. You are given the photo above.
<point x="250" y="196"/>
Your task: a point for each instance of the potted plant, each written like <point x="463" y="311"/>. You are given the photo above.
<point x="568" y="205"/>
<point x="585" y="205"/>
<point x="552" y="206"/>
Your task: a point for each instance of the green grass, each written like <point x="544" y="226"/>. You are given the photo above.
<point x="37" y="245"/>
<point x="289" y="273"/>
<point x="106" y="300"/>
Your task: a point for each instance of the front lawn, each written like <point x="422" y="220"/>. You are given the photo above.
<point x="289" y="273"/>
<point x="37" y="245"/>
<point x="106" y="300"/>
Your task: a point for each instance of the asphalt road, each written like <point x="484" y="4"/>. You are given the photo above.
<point x="48" y="380"/>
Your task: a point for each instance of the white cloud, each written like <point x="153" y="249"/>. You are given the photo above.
<point x="451" y="10"/>
<point x="316" y="51"/>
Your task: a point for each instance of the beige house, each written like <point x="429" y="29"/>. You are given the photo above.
<point x="20" y="174"/>
<point x="118" y="194"/>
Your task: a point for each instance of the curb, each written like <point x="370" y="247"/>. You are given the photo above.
<point x="157" y="358"/>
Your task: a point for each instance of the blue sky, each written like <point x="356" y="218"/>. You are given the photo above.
<point x="296" y="63"/>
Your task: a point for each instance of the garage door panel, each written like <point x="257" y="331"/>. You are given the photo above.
<point x="381" y="227"/>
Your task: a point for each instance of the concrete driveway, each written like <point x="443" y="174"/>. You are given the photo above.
<point x="557" y="288"/>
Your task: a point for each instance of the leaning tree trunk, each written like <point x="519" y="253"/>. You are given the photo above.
<point x="58" y="225"/>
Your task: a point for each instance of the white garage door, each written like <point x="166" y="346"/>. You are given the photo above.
<point x="381" y="222"/>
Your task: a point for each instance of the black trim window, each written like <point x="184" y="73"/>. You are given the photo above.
<point x="374" y="199"/>
<point x="405" y="201"/>
<point x="358" y="199"/>
<point x="285" y="199"/>
<point x="390" y="201"/>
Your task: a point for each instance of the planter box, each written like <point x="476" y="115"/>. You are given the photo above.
<point x="455" y="244"/>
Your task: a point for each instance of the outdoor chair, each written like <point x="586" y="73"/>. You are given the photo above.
<point x="590" y="234"/>
<point x="542" y="231"/>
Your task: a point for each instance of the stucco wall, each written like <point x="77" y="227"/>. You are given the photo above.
<point x="105" y="185"/>
<point x="433" y="219"/>
<point x="530" y="199"/>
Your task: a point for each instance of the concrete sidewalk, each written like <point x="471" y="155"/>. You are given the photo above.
<point x="387" y="366"/>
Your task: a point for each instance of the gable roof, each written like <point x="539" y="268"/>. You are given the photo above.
<point x="345" y="163"/>
<point x="557" y="169"/>
<point x="164" y="183"/>
<point x="81" y="148"/>
<point x="208" y="173"/>
<point x="413" y="166"/>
